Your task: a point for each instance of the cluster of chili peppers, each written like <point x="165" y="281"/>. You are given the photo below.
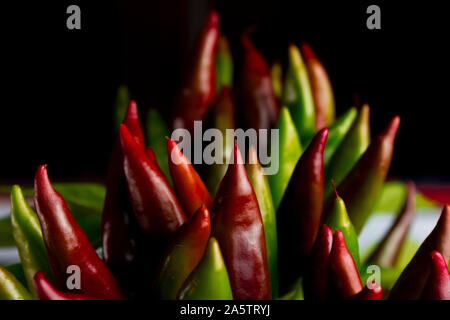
<point x="228" y="231"/>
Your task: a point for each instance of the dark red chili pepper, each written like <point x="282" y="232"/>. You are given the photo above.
<point x="437" y="286"/>
<point x="154" y="204"/>
<point x="189" y="187"/>
<point x="256" y="96"/>
<point x="374" y="292"/>
<point x="198" y="87"/>
<point x="342" y="275"/>
<point x="67" y="244"/>
<point x="315" y="279"/>
<point x="300" y="212"/>
<point x="120" y="230"/>
<point x="411" y="282"/>
<point x="238" y="227"/>
<point x="46" y="291"/>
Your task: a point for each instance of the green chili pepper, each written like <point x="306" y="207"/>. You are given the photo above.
<point x="28" y="238"/>
<point x="337" y="131"/>
<point x="337" y="219"/>
<point x="224" y="64"/>
<point x="156" y="131"/>
<point x="276" y="72"/>
<point x="121" y="104"/>
<point x="262" y="191"/>
<point x="349" y="151"/>
<point x="11" y="288"/>
<point x="290" y="150"/>
<point x="297" y="95"/>
<point x="296" y="292"/>
<point x="209" y="280"/>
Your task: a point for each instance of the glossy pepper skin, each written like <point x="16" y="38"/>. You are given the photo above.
<point x="185" y="252"/>
<point x="46" y="291"/>
<point x="337" y="131"/>
<point x="28" y="237"/>
<point x="67" y="244"/>
<point x="155" y="206"/>
<point x="290" y="150"/>
<point x="238" y="227"/>
<point x="315" y="279"/>
<point x="222" y="118"/>
<point x="297" y="95"/>
<point x="119" y="227"/>
<point x="224" y="64"/>
<point x="188" y="186"/>
<point x="362" y="186"/>
<point x="411" y="282"/>
<point x="262" y="191"/>
<point x="199" y="85"/>
<point x="342" y="275"/>
<point x="209" y="280"/>
<point x="437" y="286"/>
<point x="387" y="252"/>
<point x="374" y="292"/>
<point x="300" y="211"/>
<point x="337" y="219"/>
<point x="11" y="288"/>
<point x="257" y="98"/>
<point x="321" y="88"/>
<point x="349" y="151"/>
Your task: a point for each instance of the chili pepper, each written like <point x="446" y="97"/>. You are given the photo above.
<point x="276" y="72"/>
<point x="188" y="185"/>
<point x="185" y="252"/>
<point x="156" y="131"/>
<point x="120" y="105"/>
<point x="437" y="286"/>
<point x="374" y="292"/>
<point x="119" y="228"/>
<point x="67" y="244"/>
<point x="46" y="291"/>
<point x="222" y="114"/>
<point x="387" y="252"/>
<point x="198" y="86"/>
<point x="262" y="191"/>
<point x="11" y="288"/>
<point x="342" y="275"/>
<point x="362" y="186"/>
<point x="349" y="151"/>
<point x="337" y="131"/>
<point x="337" y="219"/>
<point x="28" y="237"/>
<point x="315" y="280"/>
<point x="297" y="95"/>
<point x="157" y="210"/>
<point x="321" y="88"/>
<point x="257" y="98"/>
<point x="296" y="292"/>
<point x="238" y="227"/>
<point x="411" y="282"/>
<point x="224" y="64"/>
<point x="209" y="280"/>
<point x="290" y="151"/>
<point x="300" y="211"/>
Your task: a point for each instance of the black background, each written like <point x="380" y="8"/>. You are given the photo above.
<point x="59" y="85"/>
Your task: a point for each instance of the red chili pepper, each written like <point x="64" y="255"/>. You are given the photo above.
<point x="238" y="227"/>
<point x="188" y="185"/>
<point x="257" y="98"/>
<point x="411" y="282"/>
<point x="374" y="292"/>
<point x="120" y="230"/>
<point x="300" y="212"/>
<point x="438" y="284"/>
<point x="342" y="275"/>
<point x="315" y="280"/>
<point x="154" y="204"/>
<point x="68" y="245"/>
<point x="198" y="87"/>
<point x="46" y="291"/>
